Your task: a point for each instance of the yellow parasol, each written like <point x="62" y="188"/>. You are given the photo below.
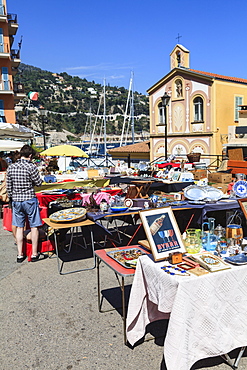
<point x="65" y="151"/>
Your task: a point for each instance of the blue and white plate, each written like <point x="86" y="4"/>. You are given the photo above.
<point x="240" y="188"/>
<point x="238" y="259"/>
<point x="118" y="209"/>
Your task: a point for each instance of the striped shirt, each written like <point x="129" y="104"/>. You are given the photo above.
<point x="22" y="176"/>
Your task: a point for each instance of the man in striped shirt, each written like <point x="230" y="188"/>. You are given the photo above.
<point x="22" y="176"/>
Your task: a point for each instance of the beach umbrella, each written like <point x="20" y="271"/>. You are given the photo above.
<point x="64" y="151"/>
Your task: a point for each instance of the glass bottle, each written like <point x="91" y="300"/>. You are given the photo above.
<point x="156" y="225"/>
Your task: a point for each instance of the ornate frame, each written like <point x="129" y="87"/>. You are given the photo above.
<point x="162" y="232"/>
<point x="243" y="204"/>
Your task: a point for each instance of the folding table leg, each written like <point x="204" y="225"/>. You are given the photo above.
<point x="70" y="272"/>
<point x="234" y="364"/>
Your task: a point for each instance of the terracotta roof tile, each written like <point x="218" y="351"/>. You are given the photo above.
<point x="220" y="77"/>
<point x="142" y="147"/>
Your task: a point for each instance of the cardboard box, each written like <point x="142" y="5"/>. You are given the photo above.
<point x="221" y="186"/>
<point x="200" y="174"/>
<point x="221" y="177"/>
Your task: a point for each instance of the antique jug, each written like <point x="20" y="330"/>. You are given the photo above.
<point x="209" y="239"/>
<point x="192" y="241"/>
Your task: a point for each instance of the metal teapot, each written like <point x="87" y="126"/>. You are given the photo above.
<point x="220" y="231"/>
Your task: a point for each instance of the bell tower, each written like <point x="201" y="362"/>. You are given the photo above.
<point x="180" y="57"/>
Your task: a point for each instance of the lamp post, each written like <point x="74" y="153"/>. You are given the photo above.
<point x="43" y="120"/>
<point x="165" y="101"/>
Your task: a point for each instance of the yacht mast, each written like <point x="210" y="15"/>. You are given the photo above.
<point x="130" y="98"/>
<point x="104" y="122"/>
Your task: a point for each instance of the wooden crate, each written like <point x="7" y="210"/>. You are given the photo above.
<point x="236" y="154"/>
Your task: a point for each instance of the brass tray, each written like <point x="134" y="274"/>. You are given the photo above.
<point x="120" y="255"/>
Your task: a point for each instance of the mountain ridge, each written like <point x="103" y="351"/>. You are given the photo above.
<point x="68" y="101"/>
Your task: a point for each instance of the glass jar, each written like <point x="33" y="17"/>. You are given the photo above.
<point x="192" y="241"/>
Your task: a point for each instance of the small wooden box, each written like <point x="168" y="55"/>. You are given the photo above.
<point x="176" y="257"/>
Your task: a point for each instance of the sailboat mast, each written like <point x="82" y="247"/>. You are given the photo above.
<point x="132" y="111"/>
<point x="104" y="122"/>
<point x="125" y="116"/>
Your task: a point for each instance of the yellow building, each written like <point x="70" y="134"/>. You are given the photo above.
<point x="10" y="93"/>
<point x="201" y="107"/>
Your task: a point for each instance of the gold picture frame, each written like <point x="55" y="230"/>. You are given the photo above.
<point x="243" y="205"/>
<point x="162" y="232"/>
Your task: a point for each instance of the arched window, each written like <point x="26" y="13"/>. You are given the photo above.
<point x="198" y="109"/>
<point x="161" y="110"/>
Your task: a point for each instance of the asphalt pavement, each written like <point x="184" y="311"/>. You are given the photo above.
<point x="51" y="321"/>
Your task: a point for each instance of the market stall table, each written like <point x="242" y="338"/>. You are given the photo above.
<point x="120" y="271"/>
<point x="207" y="313"/>
<point x="74" y="184"/>
<point x="72" y="226"/>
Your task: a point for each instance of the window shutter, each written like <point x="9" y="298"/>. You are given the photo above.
<point x="1" y="111"/>
<point x="238" y="101"/>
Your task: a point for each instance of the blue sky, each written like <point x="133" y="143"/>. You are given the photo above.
<point x="110" y="38"/>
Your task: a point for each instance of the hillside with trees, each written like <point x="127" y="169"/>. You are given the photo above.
<point x="69" y="100"/>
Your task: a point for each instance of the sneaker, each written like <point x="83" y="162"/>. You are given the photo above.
<point x="20" y="259"/>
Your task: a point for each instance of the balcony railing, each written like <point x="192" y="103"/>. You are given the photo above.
<point x="18" y="88"/>
<point x="15" y="54"/>
<point x="5" y="85"/>
<point x="12" y="18"/>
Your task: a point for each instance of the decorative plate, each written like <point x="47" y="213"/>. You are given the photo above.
<point x="119" y="209"/>
<point x="240" y="188"/>
<point x="69" y="214"/>
<point x="135" y="208"/>
<point x="195" y="192"/>
<point x="214" y="193"/>
<point x="238" y="259"/>
<point x="198" y="202"/>
<point x="128" y="202"/>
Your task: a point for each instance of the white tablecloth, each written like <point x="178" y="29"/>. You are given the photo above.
<point x="208" y="314"/>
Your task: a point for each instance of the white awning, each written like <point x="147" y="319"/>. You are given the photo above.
<point x="14" y="130"/>
<point x="10" y="145"/>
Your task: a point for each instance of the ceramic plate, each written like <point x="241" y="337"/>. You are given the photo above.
<point x="119" y="209"/>
<point x="240" y="188"/>
<point x="238" y="259"/>
<point x="128" y="202"/>
<point x="214" y="193"/>
<point x="195" y="192"/>
<point x="197" y="202"/>
<point x="69" y="214"/>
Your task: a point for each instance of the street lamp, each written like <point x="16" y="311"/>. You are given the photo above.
<point x="165" y="101"/>
<point x="43" y="120"/>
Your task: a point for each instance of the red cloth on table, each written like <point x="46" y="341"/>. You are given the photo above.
<point x="66" y="180"/>
<point x="45" y="199"/>
<point x="163" y="165"/>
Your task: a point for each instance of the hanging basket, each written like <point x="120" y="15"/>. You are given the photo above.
<point x="194" y="157"/>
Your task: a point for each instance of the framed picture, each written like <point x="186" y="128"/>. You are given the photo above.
<point x="176" y="176"/>
<point x="243" y="204"/>
<point x="162" y="232"/>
